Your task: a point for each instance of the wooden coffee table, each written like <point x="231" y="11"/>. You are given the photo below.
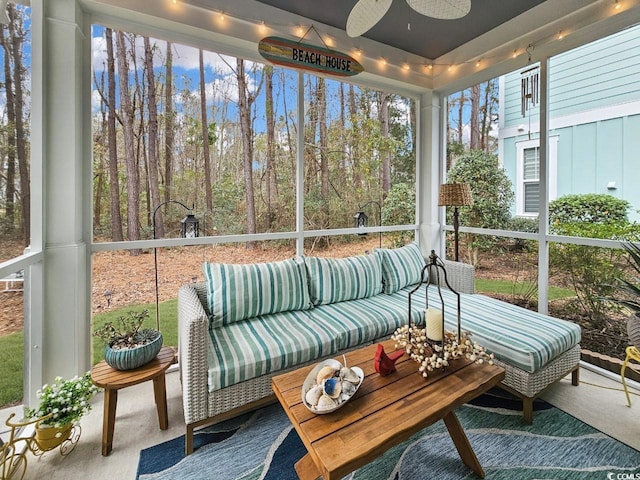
<point x="384" y="412"/>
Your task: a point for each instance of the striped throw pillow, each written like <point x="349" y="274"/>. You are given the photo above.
<point x="338" y="279"/>
<point x="237" y="292"/>
<point x="401" y="266"/>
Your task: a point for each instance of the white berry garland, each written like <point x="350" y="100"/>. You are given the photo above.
<point x="436" y="357"/>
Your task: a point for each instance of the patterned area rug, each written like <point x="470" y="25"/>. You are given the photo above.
<point x="264" y="445"/>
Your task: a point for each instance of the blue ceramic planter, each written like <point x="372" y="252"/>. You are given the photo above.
<point x="128" y="359"/>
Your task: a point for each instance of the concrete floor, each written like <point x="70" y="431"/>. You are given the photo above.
<point x="598" y="401"/>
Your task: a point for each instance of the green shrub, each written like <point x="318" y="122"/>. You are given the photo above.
<point x="590" y="271"/>
<point x="399" y="208"/>
<point x="589" y="207"/>
<point x="492" y="197"/>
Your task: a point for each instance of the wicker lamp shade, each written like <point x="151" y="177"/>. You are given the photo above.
<point x="455" y="195"/>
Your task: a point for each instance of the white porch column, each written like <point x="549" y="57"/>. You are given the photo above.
<point x="428" y="174"/>
<point x="63" y="128"/>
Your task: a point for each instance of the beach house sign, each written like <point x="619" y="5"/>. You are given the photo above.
<point x="293" y="54"/>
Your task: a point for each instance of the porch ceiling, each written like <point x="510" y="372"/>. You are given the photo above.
<point x="407" y="30"/>
<point x="496" y="37"/>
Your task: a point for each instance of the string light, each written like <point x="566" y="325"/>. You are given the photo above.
<point x="300" y="29"/>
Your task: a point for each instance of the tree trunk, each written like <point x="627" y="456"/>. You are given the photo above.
<point x="114" y="182"/>
<point x="133" y="183"/>
<point x="154" y="164"/>
<point x="169" y="135"/>
<point x="99" y="155"/>
<point x="460" y="120"/>
<point x="16" y="29"/>
<point x="324" y="147"/>
<point x="247" y="147"/>
<point x="354" y="150"/>
<point x="386" y="152"/>
<point x="475" y="116"/>
<point x="10" y="190"/>
<point x="208" y="187"/>
<point x="271" y="184"/>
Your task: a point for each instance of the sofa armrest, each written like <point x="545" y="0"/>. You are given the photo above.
<point x="193" y="325"/>
<point x="461" y="276"/>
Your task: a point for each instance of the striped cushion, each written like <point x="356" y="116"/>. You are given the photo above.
<point x="364" y="320"/>
<point x="265" y="344"/>
<point x="238" y="292"/>
<point x="401" y="266"/>
<point x="525" y="339"/>
<point x="337" y="279"/>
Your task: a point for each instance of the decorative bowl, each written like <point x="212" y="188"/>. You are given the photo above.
<point x="131" y="358"/>
<point x="340" y="398"/>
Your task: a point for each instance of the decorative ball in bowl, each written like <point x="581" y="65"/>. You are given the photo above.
<point x="330" y="385"/>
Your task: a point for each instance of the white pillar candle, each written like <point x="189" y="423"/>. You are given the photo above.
<point x="434" y="324"/>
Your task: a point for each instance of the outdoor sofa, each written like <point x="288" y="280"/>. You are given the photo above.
<point x="247" y="323"/>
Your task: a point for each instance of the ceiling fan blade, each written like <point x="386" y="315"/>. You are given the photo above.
<point x="441" y="9"/>
<point x="365" y="14"/>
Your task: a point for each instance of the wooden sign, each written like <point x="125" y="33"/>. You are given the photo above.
<point x="290" y="53"/>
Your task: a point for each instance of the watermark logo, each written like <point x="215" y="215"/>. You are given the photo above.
<point x="623" y="476"/>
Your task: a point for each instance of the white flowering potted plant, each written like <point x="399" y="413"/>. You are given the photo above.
<point x="62" y="404"/>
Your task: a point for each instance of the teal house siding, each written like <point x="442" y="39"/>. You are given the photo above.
<point x="594" y="112"/>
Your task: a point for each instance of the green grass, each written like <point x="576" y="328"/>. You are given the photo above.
<point x="11" y="368"/>
<point x="168" y="324"/>
<point x="12" y="346"/>
<point x="510" y="288"/>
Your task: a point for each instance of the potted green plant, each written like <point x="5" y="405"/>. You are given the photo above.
<point x="629" y="294"/>
<point x="127" y="344"/>
<point x="62" y="404"/>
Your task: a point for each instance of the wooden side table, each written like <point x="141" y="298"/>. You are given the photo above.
<point x="113" y="380"/>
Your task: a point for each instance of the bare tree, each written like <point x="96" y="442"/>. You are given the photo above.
<point x="272" y="186"/>
<point x="383" y="110"/>
<point x="154" y="164"/>
<point x="354" y="139"/>
<point x="474" y="143"/>
<point x="133" y="182"/>
<point x="114" y="182"/>
<point x="244" y="107"/>
<point x="205" y="136"/>
<point x="169" y="121"/>
<point x="321" y="95"/>
<point x="10" y="180"/>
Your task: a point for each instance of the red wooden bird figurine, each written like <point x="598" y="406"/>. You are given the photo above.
<point x="386" y="364"/>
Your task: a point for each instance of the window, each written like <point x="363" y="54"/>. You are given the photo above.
<point x="528" y="175"/>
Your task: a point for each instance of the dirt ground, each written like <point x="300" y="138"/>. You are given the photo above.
<point x="120" y="279"/>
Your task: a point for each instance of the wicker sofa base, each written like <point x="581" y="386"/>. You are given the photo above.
<point x="528" y="386"/>
<point x="244" y="397"/>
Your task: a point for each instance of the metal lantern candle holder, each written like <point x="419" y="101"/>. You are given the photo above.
<point x="435" y="273"/>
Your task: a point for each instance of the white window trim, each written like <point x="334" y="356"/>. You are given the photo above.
<point x="552" y="170"/>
